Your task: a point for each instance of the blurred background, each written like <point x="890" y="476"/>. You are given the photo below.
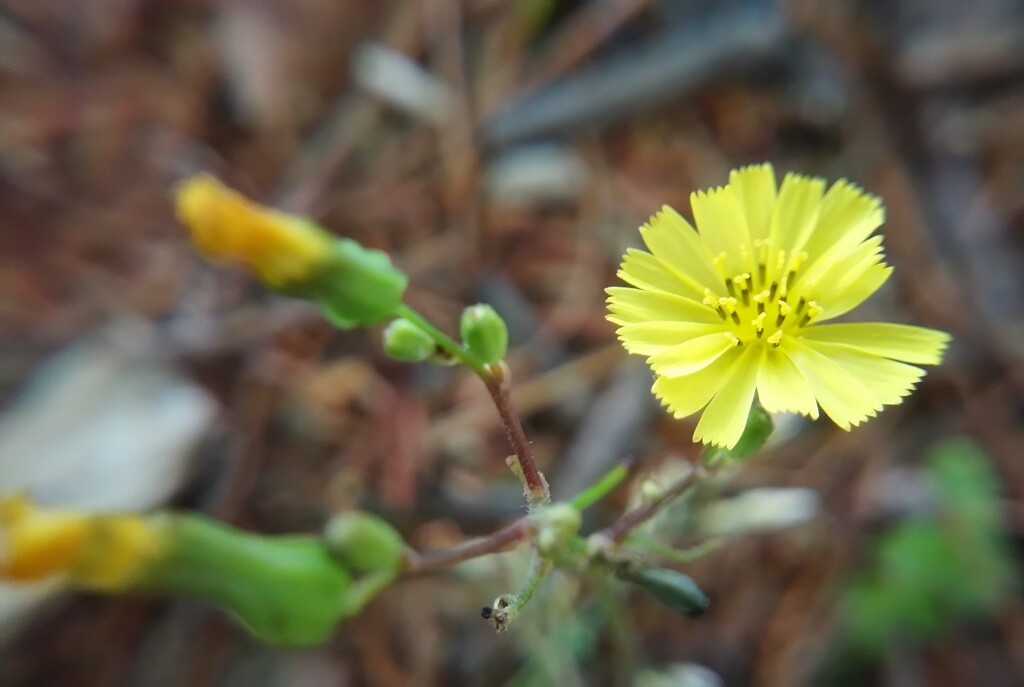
<point x="505" y="151"/>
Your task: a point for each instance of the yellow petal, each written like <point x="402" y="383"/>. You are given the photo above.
<point x="644" y="271"/>
<point x="675" y="243"/>
<point x="723" y="421"/>
<point x="686" y="395"/>
<point x="796" y="212"/>
<point x="898" y="341"/>
<point x="838" y="263"/>
<point x="693" y="355"/>
<point x="650" y="338"/>
<point x="722" y="223"/>
<point x="781" y="387"/>
<point x="845" y="300"/>
<point x="848" y="216"/>
<point x="754" y="185"/>
<point x="628" y="306"/>
<point x="888" y="380"/>
<point x="94" y="551"/>
<point x="841" y="395"/>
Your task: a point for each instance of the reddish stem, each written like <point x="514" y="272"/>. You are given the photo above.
<point x="502" y="540"/>
<point x="498" y="384"/>
<point x="621" y="528"/>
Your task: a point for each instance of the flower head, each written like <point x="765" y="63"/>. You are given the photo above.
<point x="741" y="304"/>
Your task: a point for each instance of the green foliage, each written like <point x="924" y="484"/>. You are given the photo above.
<point x="932" y="571"/>
<point x="484" y="333"/>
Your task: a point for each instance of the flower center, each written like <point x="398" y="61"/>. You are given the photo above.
<point x="764" y="302"/>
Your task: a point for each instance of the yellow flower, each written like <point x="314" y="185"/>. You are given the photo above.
<point x="95" y="551"/>
<point x="283" y="249"/>
<point x="739" y="306"/>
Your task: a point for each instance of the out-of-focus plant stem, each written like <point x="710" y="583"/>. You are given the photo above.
<point x="497" y="380"/>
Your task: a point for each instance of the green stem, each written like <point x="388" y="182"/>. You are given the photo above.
<point x="496" y="379"/>
<point x="445" y="342"/>
<point x="599" y="489"/>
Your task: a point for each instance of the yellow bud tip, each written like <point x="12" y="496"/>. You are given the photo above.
<point x="281" y="248"/>
<point x="94" y="551"/>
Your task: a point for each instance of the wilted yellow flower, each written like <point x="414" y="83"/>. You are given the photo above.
<point x="739" y="305"/>
<point x="283" y="249"/>
<point x="353" y="285"/>
<point x="94" y="551"/>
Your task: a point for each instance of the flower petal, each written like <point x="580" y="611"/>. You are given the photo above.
<point x="686" y="395"/>
<point x="651" y="338"/>
<point x="676" y="244"/>
<point x="841" y="395"/>
<point x="848" y="216"/>
<point x="888" y="380"/>
<point x="755" y="187"/>
<point x="781" y="387"/>
<point x="693" y="355"/>
<point x="644" y="271"/>
<point x="628" y="306"/>
<point x="855" y="293"/>
<point x="723" y="421"/>
<point x="897" y="341"/>
<point x="796" y="212"/>
<point x="722" y="224"/>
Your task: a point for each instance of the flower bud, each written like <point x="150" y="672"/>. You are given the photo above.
<point x="484" y="333"/>
<point x="670" y="587"/>
<point x="404" y="341"/>
<point x="362" y="542"/>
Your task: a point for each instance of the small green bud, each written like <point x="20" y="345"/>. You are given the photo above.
<point x="670" y="587"/>
<point x="404" y="341"/>
<point x="755" y="434"/>
<point x="357" y="286"/>
<point x="484" y="333"/>
<point x="363" y="542"/>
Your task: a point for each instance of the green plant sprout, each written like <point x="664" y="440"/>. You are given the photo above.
<point x="736" y="308"/>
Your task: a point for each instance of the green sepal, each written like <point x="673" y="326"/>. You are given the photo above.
<point x="357" y="286"/>
<point x="755" y="434"/>
<point x="670" y="587"/>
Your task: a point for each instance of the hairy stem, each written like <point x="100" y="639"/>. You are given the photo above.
<point x="534" y="484"/>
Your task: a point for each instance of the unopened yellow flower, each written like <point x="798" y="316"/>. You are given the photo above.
<point x="739" y="305"/>
<point x="94" y="551"/>
<point x="283" y="249"/>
